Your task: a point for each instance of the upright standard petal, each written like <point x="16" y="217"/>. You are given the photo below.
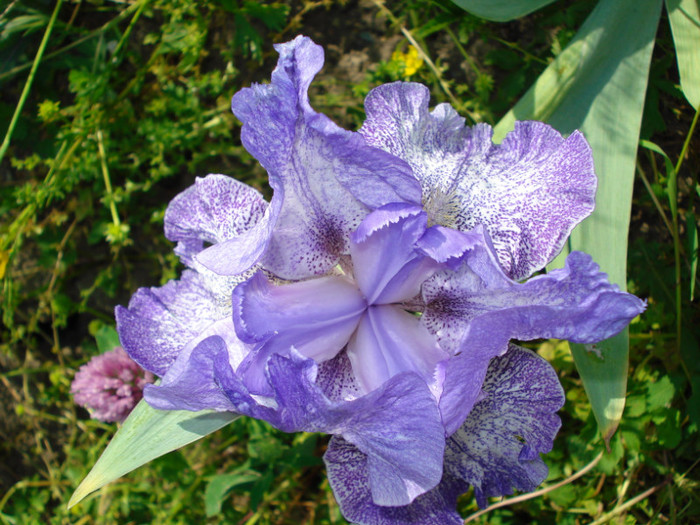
<point x="498" y="447"/>
<point x="529" y="192"/>
<point x="214" y="209"/>
<point x="325" y="179"/>
<point x="475" y="317"/>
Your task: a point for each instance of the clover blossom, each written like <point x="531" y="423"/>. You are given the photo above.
<point x="376" y="296"/>
<point x="110" y="385"/>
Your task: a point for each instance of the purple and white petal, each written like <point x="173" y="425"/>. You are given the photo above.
<point x="476" y="318"/>
<point x="498" y="447"/>
<point x="348" y="474"/>
<point x="325" y="179"/>
<point x="389" y="341"/>
<point x="529" y="192"/>
<point x="397" y="425"/>
<point x="160" y="322"/>
<point x="190" y="383"/>
<point x="317" y="316"/>
<point x="214" y="209"/>
<point x="387" y="267"/>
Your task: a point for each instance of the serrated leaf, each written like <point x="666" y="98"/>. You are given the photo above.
<point x="501" y="10"/>
<point x="660" y="393"/>
<point x="145" y="435"/>
<point x="684" y="16"/>
<point x="597" y="84"/>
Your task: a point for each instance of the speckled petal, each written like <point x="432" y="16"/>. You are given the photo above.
<point x="348" y="474"/>
<point x="475" y="317"/>
<point x="160" y="322"/>
<point x="325" y="179"/>
<point x="529" y="192"/>
<point x="214" y="209"/>
<point x="398" y="425"/>
<point x="498" y="447"/>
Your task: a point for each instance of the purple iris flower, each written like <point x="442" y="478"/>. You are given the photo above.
<point x="376" y="296"/>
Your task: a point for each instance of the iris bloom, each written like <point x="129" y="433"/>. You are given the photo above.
<point x="376" y="296"/>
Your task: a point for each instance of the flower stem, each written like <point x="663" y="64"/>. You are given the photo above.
<point x="30" y="80"/>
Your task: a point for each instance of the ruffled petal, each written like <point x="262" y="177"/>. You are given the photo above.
<point x="190" y="383"/>
<point x="387" y="267"/>
<point x="394" y="251"/>
<point x="397" y="425"/>
<point x="529" y="192"/>
<point x="348" y="474"/>
<point x="474" y="313"/>
<point x="498" y="447"/>
<point x="213" y="210"/>
<point x="160" y="322"/>
<point x="390" y="341"/>
<point x="325" y="179"/>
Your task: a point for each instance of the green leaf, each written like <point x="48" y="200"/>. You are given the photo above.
<point x="597" y="84"/>
<point x="107" y="339"/>
<point x="691" y="225"/>
<point x="219" y="486"/>
<point x="501" y="10"/>
<point x="660" y="394"/>
<point x="684" y="16"/>
<point x="145" y="435"/>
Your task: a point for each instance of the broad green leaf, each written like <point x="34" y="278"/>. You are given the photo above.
<point x="501" y="10"/>
<point x="598" y="84"/>
<point x="145" y="435"/>
<point x="684" y="16"/>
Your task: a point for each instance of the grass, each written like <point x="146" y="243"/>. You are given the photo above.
<point x="111" y="109"/>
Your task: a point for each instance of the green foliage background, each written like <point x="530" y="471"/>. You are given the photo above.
<point x="130" y="101"/>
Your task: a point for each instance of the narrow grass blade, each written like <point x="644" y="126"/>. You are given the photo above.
<point x="692" y="250"/>
<point x="684" y="16"/>
<point x="598" y="84"/>
<point x="501" y="10"/>
<point x="145" y="435"/>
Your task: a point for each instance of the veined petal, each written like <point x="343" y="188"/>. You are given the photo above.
<point x="498" y="447"/>
<point x="160" y="322"/>
<point x="325" y="179"/>
<point x="476" y="317"/>
<point x="529" y="192"/>
<point x="388" y="268"/>
<point x="213" y="210"/>
<point x="190" y="383"/>
<point x="316" y="316"/>
<point x="397" y="425"/>
<point x="389" y="341"/>
<point x="348" y="474"/>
